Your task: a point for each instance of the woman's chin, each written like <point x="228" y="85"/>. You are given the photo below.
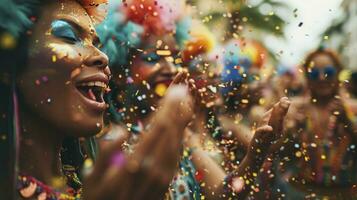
<point x="86" y="127"/>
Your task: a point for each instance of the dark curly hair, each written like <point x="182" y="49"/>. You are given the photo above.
<point x="330" y="53"/>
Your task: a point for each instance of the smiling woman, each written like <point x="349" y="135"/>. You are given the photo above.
<point x="55" y="93"/>
<point x="67" y="56"/>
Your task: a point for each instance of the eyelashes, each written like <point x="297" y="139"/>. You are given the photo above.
<point x="64" y="30"/>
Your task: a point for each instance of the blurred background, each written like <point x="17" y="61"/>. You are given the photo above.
<point x="289" y="29"/>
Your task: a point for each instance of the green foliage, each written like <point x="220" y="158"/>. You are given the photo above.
<point x="253" y="17"/>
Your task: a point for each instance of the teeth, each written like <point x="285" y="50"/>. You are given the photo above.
<point x="100" y="84"/>
<point x="94" y="83"/>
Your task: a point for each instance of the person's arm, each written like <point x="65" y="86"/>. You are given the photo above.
<point x="238" y="183"/>
<point x="213" y="176"/>
<point x="240" y="132"/>
<point x="212" y="173"/>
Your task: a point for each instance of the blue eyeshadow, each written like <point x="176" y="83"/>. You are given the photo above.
<point x="151" y="58"/>
<point x="63" y="29"/>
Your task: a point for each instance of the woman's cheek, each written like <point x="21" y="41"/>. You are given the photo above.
<point x="62" y="51"/>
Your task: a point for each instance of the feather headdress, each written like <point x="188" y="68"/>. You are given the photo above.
<point x="201" y="41"/>
<point x="96" y="9"/>
<point x="15" y="15"/>
<point x="156" y="16"/>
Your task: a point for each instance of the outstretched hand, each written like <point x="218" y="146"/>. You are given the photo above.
<point x="147" y="172"/>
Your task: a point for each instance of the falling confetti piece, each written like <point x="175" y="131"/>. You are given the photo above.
<point x="163" y="52"/>
<point x="7" y="41"/>
<point x="160" y="89"/>
<point x="212" y="88"/>
<point x="129" y="80"/>
<point x="54" y="58"/>
<point x="298" y="154"/>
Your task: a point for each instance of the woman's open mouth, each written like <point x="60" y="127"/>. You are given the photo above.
<point x="92" y="91"/>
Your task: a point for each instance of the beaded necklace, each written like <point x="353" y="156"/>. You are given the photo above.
<point x="29" y="187"/>
<point x="330" y="154"/>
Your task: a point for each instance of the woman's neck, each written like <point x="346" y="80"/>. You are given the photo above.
<point x="40" y="146"/>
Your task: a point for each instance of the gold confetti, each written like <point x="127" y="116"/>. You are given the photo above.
<point x="245" y="101"/>
<point x="54" y="58"/>
<point x="298" y="154"/>
<point x="7" y="41"/>
<point x="163" y="52"/>
<point x="160" y="89"/>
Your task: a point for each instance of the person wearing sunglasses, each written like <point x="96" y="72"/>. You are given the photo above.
<point x="321" y="160"/>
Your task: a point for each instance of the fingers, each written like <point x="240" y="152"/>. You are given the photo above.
<point x="170" y="121"/>
<point x="177" y="107"/>
<point x="261" y="141"/>
<point x="278" y="114"/>
<point x="266" y="118"/>
<point x="157" y="154"/>
<point x="180" y="78"/>
<point x="263" y="132"/>
<point x="175" y="112"/>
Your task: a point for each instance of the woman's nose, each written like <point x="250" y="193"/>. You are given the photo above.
<point x="99" y="61"/>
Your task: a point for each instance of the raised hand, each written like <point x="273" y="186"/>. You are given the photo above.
<point x="270" y="129"/>
<point x="268" y="133"/>
<point x="146" y="173"/>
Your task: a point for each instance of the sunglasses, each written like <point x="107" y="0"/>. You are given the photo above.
<point x="328" y="72"/>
